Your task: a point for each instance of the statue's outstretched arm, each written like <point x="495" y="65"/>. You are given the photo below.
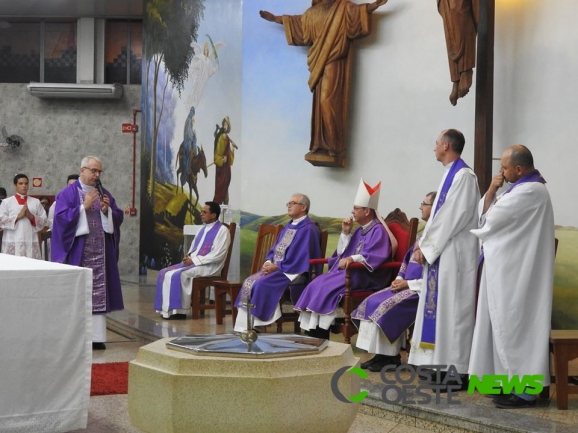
<point x="373" y="6"/>
<point x="270" y="17"/>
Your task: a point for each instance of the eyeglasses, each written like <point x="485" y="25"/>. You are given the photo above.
<point x="292" y="203"/>
<point x="94" y="170"/>
<point x="423" y="203"/>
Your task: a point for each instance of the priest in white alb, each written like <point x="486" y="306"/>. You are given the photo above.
<point x="444" y="322"/>
<point x="512" y="330"/>
<point x="205" y="258"/>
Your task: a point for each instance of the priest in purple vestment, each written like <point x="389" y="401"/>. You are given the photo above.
<point x="384" y="317"/>
<point x="286" y="265"/>
<point x="86" y="232"/>
<point x="370" y="244"/>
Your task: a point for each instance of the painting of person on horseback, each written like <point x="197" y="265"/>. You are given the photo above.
<point x="190" y="161"/>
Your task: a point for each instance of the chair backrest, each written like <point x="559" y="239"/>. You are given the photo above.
<point x="323" y="240"/>
<point x="266" y="237"/>
<point x="232" y="230"/>
<point x="45" y="237"/>
<point x="324" y="237"/>
<point x="404" y="231"/>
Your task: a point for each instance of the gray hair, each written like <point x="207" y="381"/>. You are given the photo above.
<point x="87" y="159"/>
<point x="432" y="195"/>
<point x="304" y="200"/>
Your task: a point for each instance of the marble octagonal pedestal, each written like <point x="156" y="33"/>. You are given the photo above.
<point x="172" y="391"/>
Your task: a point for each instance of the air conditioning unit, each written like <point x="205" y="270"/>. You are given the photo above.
<point x="76" y="91"/>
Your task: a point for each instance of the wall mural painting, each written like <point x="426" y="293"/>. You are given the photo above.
<point x="187" y="128"/>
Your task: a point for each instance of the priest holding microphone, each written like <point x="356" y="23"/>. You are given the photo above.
<point x="86" y="232"/>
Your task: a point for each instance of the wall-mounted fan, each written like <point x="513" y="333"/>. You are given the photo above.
<point x="12" y="143"/>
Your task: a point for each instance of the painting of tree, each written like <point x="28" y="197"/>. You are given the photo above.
<point x="170" y="28"/>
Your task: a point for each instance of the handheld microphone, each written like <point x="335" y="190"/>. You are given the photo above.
<point x="98" y="186"/>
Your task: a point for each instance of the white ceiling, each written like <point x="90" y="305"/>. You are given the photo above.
<point x="71" y="8"/>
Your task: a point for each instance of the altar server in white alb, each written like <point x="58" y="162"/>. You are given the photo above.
<point x="21" y="218"/>
<point x="515" y="300"/>
<point x="444" y="322"/>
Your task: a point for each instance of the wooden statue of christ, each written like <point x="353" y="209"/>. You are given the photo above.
<point x="328" y="27"/>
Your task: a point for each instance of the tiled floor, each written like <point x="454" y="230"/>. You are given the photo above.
<point x="475" y="413"/>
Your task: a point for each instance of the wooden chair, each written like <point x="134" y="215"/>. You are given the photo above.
<point x="293" y="316"/>
<point x="44" y="244"/>
<point x="198" y="304"/>
<point x="266" y="237"/>
<point x="405" y="232"/>
<point x="559" y="339"/>
<point x="564" y="346"/>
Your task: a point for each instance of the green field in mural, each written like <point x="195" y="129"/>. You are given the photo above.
<point x="564" y="311"/>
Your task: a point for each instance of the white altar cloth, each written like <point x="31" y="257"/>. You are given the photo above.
<point x="45" y="345"/>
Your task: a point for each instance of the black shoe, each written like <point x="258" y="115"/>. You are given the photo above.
<point x="392" y="361"/>
<point x="512" y="401"/>
<point x="423" y="378"/>
<point x="433" y="375"/>
<point x="454" y="383"/>
<point x="176" y="317"/>
<point x="319" y="333"/>
<point x="494" y="396"/>
<point x="365" y="365"/>
<point x="98" y="346"/>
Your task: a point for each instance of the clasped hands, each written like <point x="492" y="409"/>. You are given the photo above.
<point x="269" y="268"/>
<point x="399" y="285"/>
<point x="24" y="212"/>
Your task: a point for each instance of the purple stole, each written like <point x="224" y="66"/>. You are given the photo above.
<point x="175" y="297"/>
<point x="535" y="176"/>
<point x="278" y="256"/>
<point x="428" y="333"/>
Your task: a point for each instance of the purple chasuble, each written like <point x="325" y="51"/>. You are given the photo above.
<point x="393" y="312"/>
<point x="294" y="247"/>
<point x="323" y="294"/>
<point x="428" y="336"/>
<point x="97" y="250"/>
<point x="175" y="297"/>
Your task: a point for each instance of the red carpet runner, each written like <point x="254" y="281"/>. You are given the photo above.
<point x="109" y="378"/>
